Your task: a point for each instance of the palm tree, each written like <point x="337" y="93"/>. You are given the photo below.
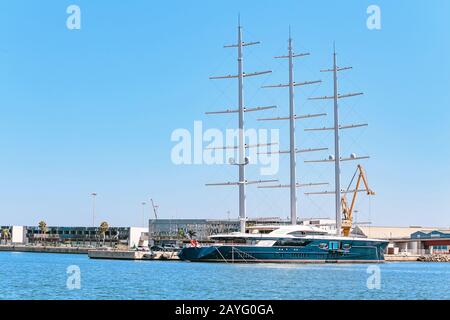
<point x="181" y="233"/>
<point x="191" y="233"/>
<point x="43" y="228"/>
<point x="102" y="230"/>
<point x="5" y="235"/>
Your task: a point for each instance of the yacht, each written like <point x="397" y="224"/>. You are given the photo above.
<point x="295" y="242"/>
<point x="288" y="244"/>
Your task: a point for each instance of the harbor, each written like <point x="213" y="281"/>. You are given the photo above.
<point x="163" y="236"/>
<point x="334" y="238"/>
<point x="226" y="151"/>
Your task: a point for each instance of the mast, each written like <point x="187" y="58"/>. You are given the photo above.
<point x="337" y="127"/>
<point x="293" y="185"/>
<point x="242" y="146"/>
<point x="337" y="157"/>
<point x="241" y="163"/>
<point x="293" y="188"/>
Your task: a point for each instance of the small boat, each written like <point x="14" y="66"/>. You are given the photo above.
<point x="288" y="244"/>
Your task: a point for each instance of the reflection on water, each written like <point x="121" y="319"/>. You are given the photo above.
<point x="44" y="276"/>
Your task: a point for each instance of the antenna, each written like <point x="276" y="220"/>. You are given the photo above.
<point x="336" y="128"/>
<point x="241" y="110"/>
<point x="292" y="117"/>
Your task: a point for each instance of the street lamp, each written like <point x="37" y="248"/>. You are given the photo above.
<point x="143" y="213"/>
<point x="93" y="194"/>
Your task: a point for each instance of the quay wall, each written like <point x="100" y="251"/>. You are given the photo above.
<point x="44" y="249"/>
<point x="131" y="255"/>
<point x="400" y="258"/>
<point x="116" y="254"/>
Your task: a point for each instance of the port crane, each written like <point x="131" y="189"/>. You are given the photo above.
<point x="155" y="209"/>
<point x="347" y="211"/>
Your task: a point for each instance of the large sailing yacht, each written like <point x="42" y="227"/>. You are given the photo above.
<point x="290" y="243"/>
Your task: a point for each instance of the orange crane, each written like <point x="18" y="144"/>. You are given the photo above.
<point x="347" y="212"/>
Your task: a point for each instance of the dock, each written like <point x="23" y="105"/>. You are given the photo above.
<point x="132" y="255"/>
<point x="44" y="249"/>
<point x="117" y="254"/>
<point x="400" y="258"/>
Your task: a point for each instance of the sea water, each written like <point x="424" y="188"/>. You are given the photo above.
<point x="75" y="276"/>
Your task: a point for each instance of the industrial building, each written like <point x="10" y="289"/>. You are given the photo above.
<point x="173" y="230"/>
<point x="77" y="236"/>
<point x="410" y="240"/>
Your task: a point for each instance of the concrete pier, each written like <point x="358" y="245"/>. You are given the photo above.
<point x="132" y="255"/>
<point x="44" y="249"/>
<point x="95" y="253"/>
<point x="400" y="258"/>
<point x="118" y="254"/>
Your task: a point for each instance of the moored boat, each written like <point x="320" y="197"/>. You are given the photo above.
<point x="293" y="243"/>
<point x="288" y="244"/>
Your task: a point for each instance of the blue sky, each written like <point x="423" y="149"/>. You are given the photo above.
<point x="93" y="109"/>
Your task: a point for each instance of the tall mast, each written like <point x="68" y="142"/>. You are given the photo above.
<point x="337" y="127"/>
<point x="292" y="160"/>
<point x="337" y="157"/>
<point x="293" y="185"/>
<point x="241" y="163"/>
<point x="242" y="146"/>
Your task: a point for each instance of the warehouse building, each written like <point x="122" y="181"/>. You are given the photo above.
<point x="77" y="236"/>
<point x="176" y="230"/>
<point x="410" y="240"/>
